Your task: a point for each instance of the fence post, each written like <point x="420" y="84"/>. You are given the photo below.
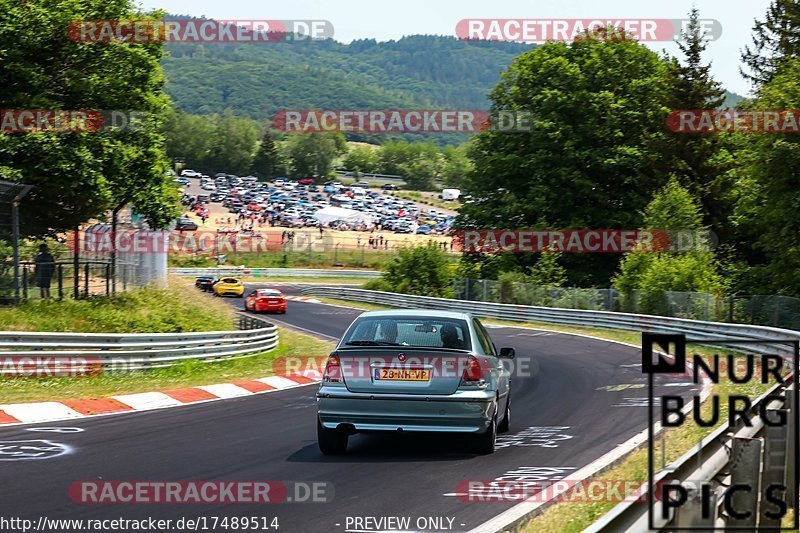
<point x="485" y="291"/>
<point x="24" y="284"/>
<point x="86" y="279"/>
<point x="108" y="280"/>
<point x="730" y="308"/>
<point x="60" y="281"/>
<point x="745" y="468"/>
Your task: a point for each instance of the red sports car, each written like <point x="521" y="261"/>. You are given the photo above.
<point x="265" y="300"/>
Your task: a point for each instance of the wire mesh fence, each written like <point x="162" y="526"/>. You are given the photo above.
<point x="766" y="310"/>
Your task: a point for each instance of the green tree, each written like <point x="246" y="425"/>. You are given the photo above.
<point x="672" y="209"/>
<point x="700" y="160"/>
<point x="591" y="159"/>
<point x="268" y="161"/>
<point x="456" y="165"/>
<point x="422" y="270"/>
<point x="361" y="159"/>
<point x="312" y="154"/>
<point x="78" y="176"/>
<point x="235" y="144"/>
<point x="768" y="191"/>
<point x="774" y="42"/>
<point x="189" y="138"/>
<point x="418" y="163"/>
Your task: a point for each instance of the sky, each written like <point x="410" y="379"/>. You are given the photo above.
<point x="386" y="19"/>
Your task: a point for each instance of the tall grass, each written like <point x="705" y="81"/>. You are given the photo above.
<point x="149" y="310"/>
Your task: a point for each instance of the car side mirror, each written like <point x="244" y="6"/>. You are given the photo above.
<point x="507" y="353"/>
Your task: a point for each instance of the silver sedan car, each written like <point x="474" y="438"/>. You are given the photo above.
<point x="414" y="370"/>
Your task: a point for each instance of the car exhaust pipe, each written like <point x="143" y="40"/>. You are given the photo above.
<point x="349" y="429"/>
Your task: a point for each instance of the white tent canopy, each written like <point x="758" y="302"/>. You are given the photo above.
<point x="329" y="214"/>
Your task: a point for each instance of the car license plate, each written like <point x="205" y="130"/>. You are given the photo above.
<point x="401" y="374"/>
<point x="273" y="301"/>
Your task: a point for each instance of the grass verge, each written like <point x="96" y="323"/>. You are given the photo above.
<point x="186" y="374"/>
<point x="355" y="282"/>
<point x="149" y="310"/>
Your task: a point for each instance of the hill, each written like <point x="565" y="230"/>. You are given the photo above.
<point x="256" y="80"/>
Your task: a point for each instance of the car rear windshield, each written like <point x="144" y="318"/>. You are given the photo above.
<point x="230" y="280"/>
<point x="427" y="332"/>
<point x="273" y="294"/>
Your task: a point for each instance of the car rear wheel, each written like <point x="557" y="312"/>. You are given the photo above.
<point x="331" y="441"/>
<point x="485" y="442"/>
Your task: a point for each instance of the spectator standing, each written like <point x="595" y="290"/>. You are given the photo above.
<point x="45" y="265"/>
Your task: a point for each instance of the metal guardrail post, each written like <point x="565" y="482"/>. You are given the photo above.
<point x="788" y="478"/>
<point x="745" y="466"/>
<point x="775" y="450"/>
<point x="690" y="514"/>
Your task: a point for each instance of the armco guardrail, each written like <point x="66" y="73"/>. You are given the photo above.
<point x="138" y="350"/>
<point x="696" y="329"/>
<point x="757" y="452"/>
<point x="274" y="272"/>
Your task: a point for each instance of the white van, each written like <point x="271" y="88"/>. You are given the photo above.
<point x="451" y="194"/>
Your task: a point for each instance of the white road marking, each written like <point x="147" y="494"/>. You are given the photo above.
<point x="40" y="411"/>
<point x="225" y="390"/>
<point x="278" y="382"/>
<point x="148" y="400"/>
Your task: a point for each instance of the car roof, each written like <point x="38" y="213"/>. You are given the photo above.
<point x="419" y="313"/>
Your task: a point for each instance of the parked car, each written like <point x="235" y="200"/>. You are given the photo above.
<point x="390" y="187"/>
<point x="185" y="224"/>
<point x="414" y="370"/>
<point x="306" y="181"/>
<point x="424" y="229"/>
<point x="229" y="286"/>
<point x="265" y="300"/>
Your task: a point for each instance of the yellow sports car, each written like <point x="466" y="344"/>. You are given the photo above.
<point x="229" y="286"/>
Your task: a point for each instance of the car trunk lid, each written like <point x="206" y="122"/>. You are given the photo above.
<point x="402" y="370"/>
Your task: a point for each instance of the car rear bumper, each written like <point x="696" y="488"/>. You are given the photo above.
<point x="461" y="412"/>
<point x="273" y="307"/>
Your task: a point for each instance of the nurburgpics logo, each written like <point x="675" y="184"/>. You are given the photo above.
<point x="744" y="473"/>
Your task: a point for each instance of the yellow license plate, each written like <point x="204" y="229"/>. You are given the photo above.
<point x="399" y="374"/>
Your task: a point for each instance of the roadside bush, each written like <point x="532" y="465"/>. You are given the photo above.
<point x="423" y="270"/>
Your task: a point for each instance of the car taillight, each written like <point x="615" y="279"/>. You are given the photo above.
<point x="333" y="370"/>
<point x="473" y="372"/>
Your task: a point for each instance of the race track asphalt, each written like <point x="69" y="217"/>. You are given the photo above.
<point x="563" y="418"/>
